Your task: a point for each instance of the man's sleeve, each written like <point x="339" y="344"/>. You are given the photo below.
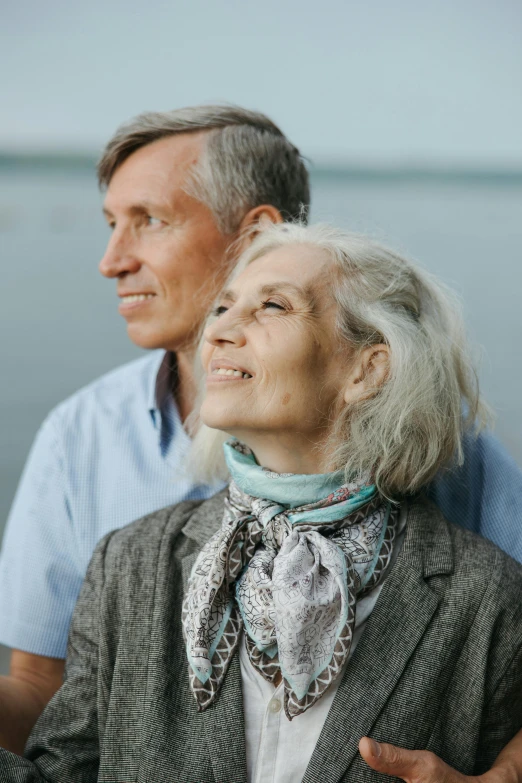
<point x="65" y="743"/>
<point x="484" y="494"/>
<point x="40" y="576"/>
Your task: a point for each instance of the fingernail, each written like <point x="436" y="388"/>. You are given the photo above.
<point x="375" y="748"/>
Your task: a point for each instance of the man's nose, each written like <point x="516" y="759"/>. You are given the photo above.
<point x="118" y="258"/>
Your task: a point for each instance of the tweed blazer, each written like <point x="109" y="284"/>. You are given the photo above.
<point x="439" y="665"/>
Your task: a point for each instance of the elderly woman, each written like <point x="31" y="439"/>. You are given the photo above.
<point x="258" y="635"/>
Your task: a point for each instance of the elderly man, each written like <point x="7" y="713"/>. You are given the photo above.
<point x="182" y="188"/>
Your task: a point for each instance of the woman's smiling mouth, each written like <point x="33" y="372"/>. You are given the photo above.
<point x="221" y="372"/>
<point x="225" y="370"/>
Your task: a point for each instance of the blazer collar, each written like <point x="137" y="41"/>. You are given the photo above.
<point x="206" y="519"/>
<point x="201" y="525"/>
<point x="427" y="545"/>
<point x="223" y="722"/>
<point x="394" y="629"/>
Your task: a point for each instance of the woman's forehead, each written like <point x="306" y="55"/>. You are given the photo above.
<point x="299" y="265"/>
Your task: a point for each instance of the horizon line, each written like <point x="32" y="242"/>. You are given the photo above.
<point x="449" y="169"/>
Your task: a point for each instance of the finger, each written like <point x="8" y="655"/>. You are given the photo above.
<point x="413" y="766"/>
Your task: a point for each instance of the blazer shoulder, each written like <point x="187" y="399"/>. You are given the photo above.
<point x="146" y="534"/>
<point x="485" y="557"/>
<point x="159" y="530"/>
<point x="490" y="578"/>
<point x="473" y="563"/>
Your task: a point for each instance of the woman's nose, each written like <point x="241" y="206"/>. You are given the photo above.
<point x="227" y="328"/>
<point x="118" y="258"/>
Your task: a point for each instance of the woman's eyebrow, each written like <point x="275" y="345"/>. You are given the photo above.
<point x="305" y="294"/>
<point x="228" y="295"/>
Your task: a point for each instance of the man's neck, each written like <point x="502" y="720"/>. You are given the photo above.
<point x="185" y="388"/>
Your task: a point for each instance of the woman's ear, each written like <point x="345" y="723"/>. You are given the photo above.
<point x="368" y="373"/>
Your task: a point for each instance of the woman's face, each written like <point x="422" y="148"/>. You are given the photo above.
<point x="272" y="355"/>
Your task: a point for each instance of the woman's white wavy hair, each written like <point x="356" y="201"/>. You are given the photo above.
<point x="412" y="425"/>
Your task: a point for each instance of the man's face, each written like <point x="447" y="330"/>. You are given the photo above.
<point x="166" y="250"/>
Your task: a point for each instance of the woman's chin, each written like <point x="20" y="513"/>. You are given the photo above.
<point x="218" y="420"/>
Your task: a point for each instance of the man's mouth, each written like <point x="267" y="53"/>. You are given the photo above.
<point x="130" y="298"/>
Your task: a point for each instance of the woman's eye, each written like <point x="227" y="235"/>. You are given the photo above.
<point x="152" y="221"/>
<point x="219" y="310"/>
<point x="270" y="303"/>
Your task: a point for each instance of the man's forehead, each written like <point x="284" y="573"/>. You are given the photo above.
<point x="178" y="148"/>
<point x="143" y="201"/>
<point x="157" y="168"/>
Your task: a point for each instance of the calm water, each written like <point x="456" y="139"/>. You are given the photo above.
<point x="60" y="328"/>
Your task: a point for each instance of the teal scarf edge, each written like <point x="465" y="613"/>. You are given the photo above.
<point x="291" y="491"/>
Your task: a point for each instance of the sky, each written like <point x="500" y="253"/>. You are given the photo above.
<point x="372" y="82"/>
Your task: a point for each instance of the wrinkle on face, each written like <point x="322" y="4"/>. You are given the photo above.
<point x="296" y="355"/>
<point x="181" y="257"/>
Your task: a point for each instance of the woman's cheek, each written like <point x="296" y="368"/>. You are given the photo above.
<point x="205" y="355"/>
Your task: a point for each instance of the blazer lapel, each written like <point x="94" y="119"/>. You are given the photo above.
<point x="223" y="722"/>
<point x="186" y="568"/>
<point x="225" y="729"/>
<point x="402" y="613"/>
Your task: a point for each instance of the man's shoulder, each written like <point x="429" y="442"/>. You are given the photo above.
<point x="128" y="385"/>
<point x="485" y="493"/>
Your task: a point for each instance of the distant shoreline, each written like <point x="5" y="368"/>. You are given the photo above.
<point x="80" y="163"/>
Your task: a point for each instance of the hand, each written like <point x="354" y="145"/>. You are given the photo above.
<point x="420" y="766"/>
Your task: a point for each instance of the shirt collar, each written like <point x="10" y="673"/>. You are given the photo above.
<point x="159" y="393"/>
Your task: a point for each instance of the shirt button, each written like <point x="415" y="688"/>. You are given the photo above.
<point x="275" y="706"/>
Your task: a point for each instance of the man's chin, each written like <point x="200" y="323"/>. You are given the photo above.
<point x="152" y="340"/>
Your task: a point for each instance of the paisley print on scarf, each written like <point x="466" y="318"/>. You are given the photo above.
<point x="289" y="575"/>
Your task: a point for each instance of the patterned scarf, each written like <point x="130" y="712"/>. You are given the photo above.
<point x="289" y="574"/>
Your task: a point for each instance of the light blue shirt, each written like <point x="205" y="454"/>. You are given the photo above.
<point x="116" y="451"/>
<point x="484" y="494"/>
<point x="108" y="455"/>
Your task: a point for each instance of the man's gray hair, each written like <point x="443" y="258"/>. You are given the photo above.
<point x="247" y="160"/>
<point x="406" y="430"/>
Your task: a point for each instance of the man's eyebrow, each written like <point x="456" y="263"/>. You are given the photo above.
<point x="141" y="208"/>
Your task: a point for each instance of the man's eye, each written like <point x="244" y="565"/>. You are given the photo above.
<point x="270" y="303"/>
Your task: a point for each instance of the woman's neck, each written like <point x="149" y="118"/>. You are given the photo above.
<point x="287" y="452"/>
